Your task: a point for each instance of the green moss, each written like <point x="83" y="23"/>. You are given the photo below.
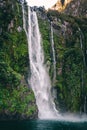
<point x="71" y="76"/>
<point x="69" y="58"/>
<point x="19" y="100"/>
<point x="15" y="96"/>
<point x="45" y="33"/>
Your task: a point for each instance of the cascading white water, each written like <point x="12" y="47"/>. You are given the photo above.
<point x="53" y="52"/>
<point x="81" y="43"/>
<point x="84" y="63"/>
<point x="39" y="80"/>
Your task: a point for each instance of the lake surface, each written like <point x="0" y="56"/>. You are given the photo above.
<point x="42" y="125"/>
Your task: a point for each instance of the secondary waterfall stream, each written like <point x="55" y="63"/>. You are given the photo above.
<point x="39" y="79"/>
<point x="53" y="53"/>
<point x="84" y="64"/>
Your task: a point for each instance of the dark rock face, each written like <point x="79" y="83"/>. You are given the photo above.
<point x="77" y="8"/>
<point x="16" y="116"/>
<point x="69" y="57"/>
<point x="62" y="1"/>
<point x="72" y="7"/>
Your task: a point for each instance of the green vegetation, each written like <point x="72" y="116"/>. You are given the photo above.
<point x="70" y="38"/>
<point x="71" y="84"/>
<point x="45" y="33"/>
<point x="16" y="99"/>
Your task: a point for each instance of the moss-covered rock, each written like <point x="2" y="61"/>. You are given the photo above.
<point x="17" y="100"/>
<point x="70" y="47"/>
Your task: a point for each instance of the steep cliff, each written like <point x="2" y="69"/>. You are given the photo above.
<point x="70" y="42"/>
<point x="16" y="99"/>
<point x="71" y="7"/>
<point x="77" y="8"/>
<point x="69" y="89"/>
<point x="61" y="5"/>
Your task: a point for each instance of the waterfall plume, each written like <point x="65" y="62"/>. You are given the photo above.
<point x="39" y="79"/>
<point x="53" y="53"/>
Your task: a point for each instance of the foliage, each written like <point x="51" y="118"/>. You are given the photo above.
<point x="71" y="60"/>
<point x="18" y="100"/>
<point x="45" y="33"/>
<point x="15" y="96"/>
<point x="70" y="84"/>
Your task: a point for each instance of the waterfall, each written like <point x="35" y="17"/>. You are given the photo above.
<point x="84" y="63"/>
<point x="53" y="52"/>
<point x="85" y="103"/>
<point x="81" y="43"/>
<point x="39" y="79"/>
